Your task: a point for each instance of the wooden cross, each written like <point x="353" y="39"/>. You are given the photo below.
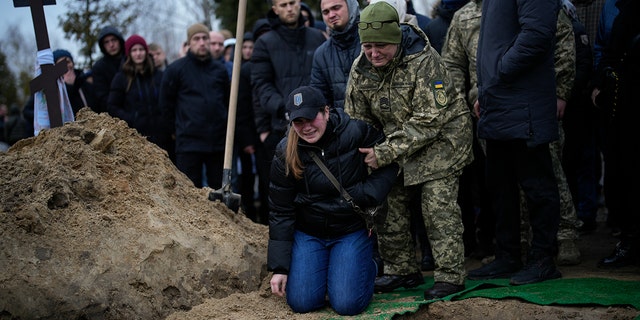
<point x="47" y="81"/>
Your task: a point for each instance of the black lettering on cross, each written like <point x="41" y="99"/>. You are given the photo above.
<point x="47" y="81"/>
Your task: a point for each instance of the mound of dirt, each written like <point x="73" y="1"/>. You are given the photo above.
<point x="97" y="223"/>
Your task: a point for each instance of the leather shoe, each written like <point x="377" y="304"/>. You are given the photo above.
<point x="390" y="282"/>
<point x="622" y="256"/>
<point x="441" y="290"/>
<point x="498" y="268"/>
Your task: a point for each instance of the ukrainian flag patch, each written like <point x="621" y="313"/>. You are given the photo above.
<point x="439" y="94"/>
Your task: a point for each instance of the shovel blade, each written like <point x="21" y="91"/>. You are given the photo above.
<point x="230" y="199"/>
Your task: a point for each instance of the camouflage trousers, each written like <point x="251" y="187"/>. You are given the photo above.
<point x="567" y="229"/>
<point x="443" y="222"/>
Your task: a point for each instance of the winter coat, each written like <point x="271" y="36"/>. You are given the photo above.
<point x="194" y="95"/>
<point x="413" y="100"/>
<point x="282" y="61"/>
<point x="137" y="104"/>
<point x="333" y="59"/>
<point x="105" y="69"/>
<point x="312" y="204"/>
<point x="516" y="77"/>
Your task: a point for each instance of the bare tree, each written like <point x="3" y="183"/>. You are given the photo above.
<point x="22" y="54"/>
<point x="85" y="18"/>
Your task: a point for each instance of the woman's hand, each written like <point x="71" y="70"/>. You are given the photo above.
<point x="278" y="284"/>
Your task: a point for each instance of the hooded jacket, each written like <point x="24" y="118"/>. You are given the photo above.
<point x="312" y="204"/>
<point x="332" y="60"/>
<point x="281" y="62"/>
<point x="425" y="120"/>
<point x="105" y="69"/>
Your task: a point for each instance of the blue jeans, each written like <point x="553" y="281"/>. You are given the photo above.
<point x="341" y="268"/>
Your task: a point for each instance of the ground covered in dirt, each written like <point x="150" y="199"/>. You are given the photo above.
<point x="97" y="223"/>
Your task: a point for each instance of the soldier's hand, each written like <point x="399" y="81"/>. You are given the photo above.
<point x="476" y="109"/>
<point x="370" y="157"/>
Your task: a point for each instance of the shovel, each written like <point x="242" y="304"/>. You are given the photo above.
<point x="225" y="194"/>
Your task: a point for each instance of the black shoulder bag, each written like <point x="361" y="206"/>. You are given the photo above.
<point x="372" y="215"/>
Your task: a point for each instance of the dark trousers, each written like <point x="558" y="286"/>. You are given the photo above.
<point x="511" y="164"/>
<point x="191" y="164"/>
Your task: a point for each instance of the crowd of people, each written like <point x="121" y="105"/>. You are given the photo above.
<point x="482" y="130"/>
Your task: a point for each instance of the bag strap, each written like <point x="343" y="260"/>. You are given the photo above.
<point x="334" y="181"/>
<point x="368" y="218"/>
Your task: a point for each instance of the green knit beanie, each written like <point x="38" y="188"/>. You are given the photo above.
<point x="379" y="24"/>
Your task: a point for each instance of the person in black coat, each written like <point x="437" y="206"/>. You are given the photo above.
<point x="134" y="96"/>
<point x="194" y="95"/>
<point x="621" y="61"/>
<point x="318" y="244"/>
<point x="111" y="45"/>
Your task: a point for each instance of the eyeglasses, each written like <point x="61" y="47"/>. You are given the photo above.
<point x="376" y="25"/>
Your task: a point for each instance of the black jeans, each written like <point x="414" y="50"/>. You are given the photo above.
<point x="192" y="164"/>
<point x="512" y="165"/>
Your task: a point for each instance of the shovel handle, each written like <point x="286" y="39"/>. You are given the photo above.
<point x="235" y="81"/>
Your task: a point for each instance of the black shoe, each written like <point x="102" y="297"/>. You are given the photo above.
<point x="442" y="289"/>
<point x="427" y="264"/>
<point x="390" y="282"/>
<point x="498" y="268"/>
<point x="622" y="256"/>
<point x="536" y="270"/>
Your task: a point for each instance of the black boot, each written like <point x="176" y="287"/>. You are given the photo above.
<point x="623" y="255"/>
<point x="390" y="282"/>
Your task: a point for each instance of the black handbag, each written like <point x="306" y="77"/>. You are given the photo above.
<point x="372" y="216"/>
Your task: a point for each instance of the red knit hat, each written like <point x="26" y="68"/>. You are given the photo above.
<point x="134" y="39"/>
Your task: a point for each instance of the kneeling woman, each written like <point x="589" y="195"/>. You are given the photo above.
<point x="318" y="245"/>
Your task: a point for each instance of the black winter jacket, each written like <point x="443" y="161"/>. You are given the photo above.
<point x="282" y="61"/>
<point x="139" y="107"/>
<point x="333" y="59"/>
<point x="312" y="204"/>
<point x="105" y="69"/>
<point x="194" y="95"/>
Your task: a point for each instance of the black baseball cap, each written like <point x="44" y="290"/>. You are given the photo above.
<point x="305" y="102"/>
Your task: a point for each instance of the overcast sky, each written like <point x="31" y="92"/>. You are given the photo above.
<point x="22" y="17"/>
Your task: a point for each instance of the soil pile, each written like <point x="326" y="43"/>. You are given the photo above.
<point x="97" y="223"/>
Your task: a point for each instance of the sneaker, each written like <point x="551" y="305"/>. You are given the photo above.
<point x="536" y="270"/>
<point x="568" y="253"/>
<point x="441" y="290"/>
<point x="498" y="268"/>
<point x="390" y="282"/>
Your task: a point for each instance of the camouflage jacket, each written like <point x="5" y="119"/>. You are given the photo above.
<point x="461" y="45"/>
<point x="564" y="56"/>
<point x="426" y="122"/>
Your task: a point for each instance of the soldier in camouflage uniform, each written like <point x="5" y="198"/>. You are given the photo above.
<point x="400" y="84"/>
<point x="459" y="53"/>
